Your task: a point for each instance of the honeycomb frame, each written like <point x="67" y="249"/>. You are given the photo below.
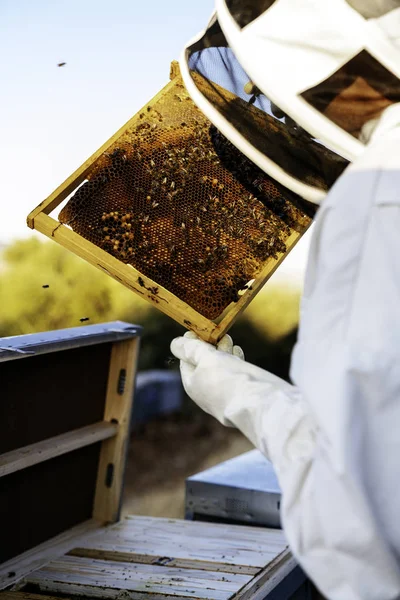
<point x="147" y="287"/>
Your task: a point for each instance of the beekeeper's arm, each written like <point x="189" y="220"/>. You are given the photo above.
<point x="333" y="438"/>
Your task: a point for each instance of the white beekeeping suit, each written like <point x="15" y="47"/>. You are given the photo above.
<point x="333" y="436"/>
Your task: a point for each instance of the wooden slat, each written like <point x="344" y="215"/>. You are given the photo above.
<point x="183" y="563"/>
<point x="118" y="408"/>
<point x="268" y="579"/>
<point x="16" y="568"/>
<point x="55" y="446"/>
<point x="106" y="579"/>
<point x="11" y="595"/>
<point x="164" y="300"/>
<point x="193" y="529"/>
<point x="186" y="540"/>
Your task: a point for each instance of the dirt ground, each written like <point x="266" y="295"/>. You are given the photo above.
<point x="164" y="452"/>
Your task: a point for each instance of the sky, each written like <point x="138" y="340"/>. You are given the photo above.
<point x="117" y="55"/>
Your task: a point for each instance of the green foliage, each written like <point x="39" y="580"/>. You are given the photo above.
<point x="78" y="290"/>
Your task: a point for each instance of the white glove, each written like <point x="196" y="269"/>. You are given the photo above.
<point x="264" y="407"/>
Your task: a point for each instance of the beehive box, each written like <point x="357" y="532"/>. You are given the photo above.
<point x="169" y="208"/>
<point x="65" y="407"/>
<point x="64" y="421"/>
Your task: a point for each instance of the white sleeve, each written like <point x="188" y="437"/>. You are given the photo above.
<point x="334" y="437"/>
<point x="340" y="506"/>
<point x="336" y="449"/>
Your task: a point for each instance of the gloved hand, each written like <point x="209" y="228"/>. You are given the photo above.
<point x="237" y="393"/>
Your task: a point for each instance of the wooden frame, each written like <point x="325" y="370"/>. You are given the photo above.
<point x="112" y="432"/>
<point x="172" y="559"/>
<point x="130" y="277"/>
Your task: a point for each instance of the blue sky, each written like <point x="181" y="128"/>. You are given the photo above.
<point x="118" y="54"/>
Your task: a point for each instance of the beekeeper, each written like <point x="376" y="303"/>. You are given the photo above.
<point x="334" y="435"/>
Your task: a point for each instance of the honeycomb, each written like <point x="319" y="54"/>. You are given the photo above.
<point x="174" y="199"/>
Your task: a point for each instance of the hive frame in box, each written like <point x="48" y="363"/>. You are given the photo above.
<point x="148" y="289"/>
<point x="112" y="432"/>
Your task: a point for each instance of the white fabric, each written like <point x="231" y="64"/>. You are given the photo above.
<point x="334" y="436"/>
<point x="294" y="46"/>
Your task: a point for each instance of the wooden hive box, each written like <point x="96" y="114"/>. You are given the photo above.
<point x="65" y="408"/>
<point x="64" y="423"/>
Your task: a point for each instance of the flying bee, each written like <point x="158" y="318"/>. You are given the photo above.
<point x="170" y="361"/>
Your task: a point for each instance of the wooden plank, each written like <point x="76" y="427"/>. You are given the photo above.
<point x="218" y="552"/>
<point x="118" y="408"/>
<point x="194" y="541"/>
<point x="270" y="577"/>
<point x="20" y="566"/>
<point x="199" y="528"/>
<point x="213" y="543"/>
<point x="12" y="595"/>
<point x="55" y="446"/>
<point x="97" y="577"/>
<point x="183" y="563"/>
<point x="164" y="300"/>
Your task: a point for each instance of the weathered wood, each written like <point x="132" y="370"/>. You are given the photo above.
<point x="95" y="576"/>
<point x="193" y="529"/>
<point x="118" y="409"/>
<point x="268" y="579"/>
<point x="111" y="564"/>
<point x="16" y="568"/>
<point x="232" y="545"/>
<point x="125" y="274"/>
<point x="183" y="563"/>
<point x="14" y="595"/>
<point x="55" y="446"/>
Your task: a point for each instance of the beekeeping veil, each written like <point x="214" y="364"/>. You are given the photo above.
<point x="296" y="85"/>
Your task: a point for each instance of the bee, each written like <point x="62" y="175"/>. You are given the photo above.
<point x="45" y="286"/>
<point x="84" y="319"/>
<point x="61" y="64"/>
<point x="146" y="218"/>
<point x="170" y="361"/>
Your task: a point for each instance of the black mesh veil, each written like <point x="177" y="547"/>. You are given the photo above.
<point x="237" y="107"/>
